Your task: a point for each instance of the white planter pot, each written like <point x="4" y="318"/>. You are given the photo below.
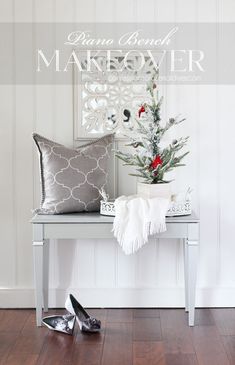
<point x="154" y="190"/>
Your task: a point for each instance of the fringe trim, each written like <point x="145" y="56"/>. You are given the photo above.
<point x="132" y="246"/>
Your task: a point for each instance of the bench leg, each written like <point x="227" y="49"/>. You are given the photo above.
<point x="45" y="274"/>
<point x="185" y="243"/>
<point x="38" y="276"/>
<point x="192" y="256"/>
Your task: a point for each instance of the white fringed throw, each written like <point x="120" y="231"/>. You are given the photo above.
<point x="137" y="218"/>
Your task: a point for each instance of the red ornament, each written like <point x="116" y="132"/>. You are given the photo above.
<point x="157" y="161"/>
<point x="141" y="110"/>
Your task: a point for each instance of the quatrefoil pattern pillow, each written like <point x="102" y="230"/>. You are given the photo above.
<point x="71" y="178"/>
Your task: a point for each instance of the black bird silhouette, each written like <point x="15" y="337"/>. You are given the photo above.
<point x="127" y="114"/>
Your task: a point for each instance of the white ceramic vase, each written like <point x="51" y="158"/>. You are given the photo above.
<point x="154" y="190"/>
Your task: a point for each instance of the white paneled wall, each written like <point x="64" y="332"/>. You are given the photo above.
<point x="98" y="271"/>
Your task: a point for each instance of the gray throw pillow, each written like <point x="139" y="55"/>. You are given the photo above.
<point x="71" y="178"/>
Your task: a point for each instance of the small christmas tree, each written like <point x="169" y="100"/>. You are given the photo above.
<point x="151" y="160"/>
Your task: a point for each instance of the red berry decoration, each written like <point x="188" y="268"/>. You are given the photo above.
<point x="141" y="110"/>
<point x="157" y="161"/>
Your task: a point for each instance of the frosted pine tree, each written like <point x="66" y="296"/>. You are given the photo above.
<point x="151" y="161"/>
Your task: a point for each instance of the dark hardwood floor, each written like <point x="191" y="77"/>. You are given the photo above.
<point x="128" y="337"/>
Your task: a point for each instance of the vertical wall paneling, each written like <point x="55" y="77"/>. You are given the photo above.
<point x="14" y="190"/>
<point x="7" y="160"/>
<point x="104" y="11"/>
<point x="219" y="19"/>
<point x="226" y="252"/>
<point x="105" y="263"/>
<point x="63" y="98"/>
<point x="86" y="14"/>
<point x="83" y="263"/>
<point x="125" y="11"/>
<point x="209" y="186"/>
<point x="7" y="133"/>
<point x="126" y="270"/>
<point x="7" y="247"/>
<point x="34" y="117"/>
<point x="146" y="275"/>
<point x="225" y="97"/>
<point x="179" y="264"/>
<point x="165" y="11"/>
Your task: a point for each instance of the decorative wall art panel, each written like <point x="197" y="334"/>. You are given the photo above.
<point x="107" y="100"/>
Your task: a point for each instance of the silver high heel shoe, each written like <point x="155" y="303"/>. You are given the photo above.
<point x="58" y="323"/>
<point x="85" y="321"/>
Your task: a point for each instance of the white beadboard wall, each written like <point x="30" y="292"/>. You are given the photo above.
<point x="96" y="270"/>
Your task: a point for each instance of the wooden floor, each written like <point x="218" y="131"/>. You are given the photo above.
<point x="128" y="336"/>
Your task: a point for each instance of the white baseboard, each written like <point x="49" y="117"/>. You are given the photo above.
<point x="119" y="297"/>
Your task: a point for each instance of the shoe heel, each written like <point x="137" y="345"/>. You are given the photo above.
<point x="69" y="307"/>
<point x="79" y="323"/>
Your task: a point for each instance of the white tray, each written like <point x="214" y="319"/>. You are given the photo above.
<point x="175" y="209"/>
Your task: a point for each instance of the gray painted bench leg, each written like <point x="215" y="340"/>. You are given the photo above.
<point x="38" y="243"/>
<point x="38" y="277"/>
<point x="45" y="274"/>
<point x="192" y="277"/>
<point x="185" y="243"/>
<point x="192" y="257"/>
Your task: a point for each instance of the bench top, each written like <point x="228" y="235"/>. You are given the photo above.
<point x="98" y="218"/>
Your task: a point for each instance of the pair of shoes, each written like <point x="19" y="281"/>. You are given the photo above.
<point x="66" y="322"/>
